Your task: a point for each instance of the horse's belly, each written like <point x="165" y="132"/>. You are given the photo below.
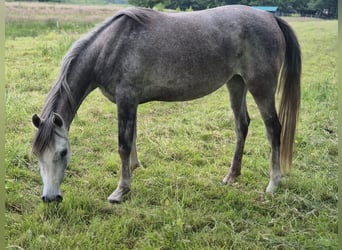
<point x="180" y="90"/>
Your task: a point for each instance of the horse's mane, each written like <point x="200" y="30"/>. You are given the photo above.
<point x="44" y="136"/>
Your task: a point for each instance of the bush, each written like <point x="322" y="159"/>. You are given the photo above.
<point x="159" y="7"/>
<point x="189" y="9"/>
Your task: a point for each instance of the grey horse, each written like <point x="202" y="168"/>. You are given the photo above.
<point x="140" y="55"/>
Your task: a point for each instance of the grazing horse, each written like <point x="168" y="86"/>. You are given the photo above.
<point x="140" y="55"/>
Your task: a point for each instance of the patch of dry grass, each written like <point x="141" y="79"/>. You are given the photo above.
<point x="23" y="11"/>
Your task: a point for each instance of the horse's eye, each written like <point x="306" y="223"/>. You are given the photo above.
<point x="64" y="153"/>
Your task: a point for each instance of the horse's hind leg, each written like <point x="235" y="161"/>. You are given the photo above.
<point x="237" y="91"/>
<point x="127" y="111"/>
<point x="264" y="97"/>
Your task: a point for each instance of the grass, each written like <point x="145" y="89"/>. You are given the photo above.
<point x="177" y="200"/>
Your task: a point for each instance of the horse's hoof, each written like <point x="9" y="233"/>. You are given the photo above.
<point x="228" y="180"/>
<point x="114" y="201"/>
<point x="115" y="198"/>
<point x="273" y="184"/>
<point x="117" y="195"/>
<point x="271" y="188"/>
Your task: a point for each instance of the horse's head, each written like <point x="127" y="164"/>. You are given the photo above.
<point x="52" y="148"/>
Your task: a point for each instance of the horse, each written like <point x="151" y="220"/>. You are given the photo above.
<point x="141" y="55"/>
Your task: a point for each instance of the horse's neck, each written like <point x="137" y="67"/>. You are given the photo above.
<point x="78" y="84"/>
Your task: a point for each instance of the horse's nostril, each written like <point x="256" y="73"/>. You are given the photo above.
<point x="59" y="198"/>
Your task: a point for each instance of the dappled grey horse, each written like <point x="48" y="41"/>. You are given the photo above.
<point x="140" y="55"/>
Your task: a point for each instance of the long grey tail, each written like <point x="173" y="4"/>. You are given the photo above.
<point x="289" y="88"/>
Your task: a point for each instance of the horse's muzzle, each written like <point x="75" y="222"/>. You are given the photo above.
<point x="57" y="198"/>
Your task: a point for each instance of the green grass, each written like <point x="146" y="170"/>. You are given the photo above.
<point x="177" y="200"/>
<point x="37" y="28"/>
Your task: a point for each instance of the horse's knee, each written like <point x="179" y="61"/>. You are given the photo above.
<point x="124" y="152"/>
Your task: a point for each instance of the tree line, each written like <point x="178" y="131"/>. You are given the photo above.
<point x="317" y="8"/>
<point x="320" y="8"/>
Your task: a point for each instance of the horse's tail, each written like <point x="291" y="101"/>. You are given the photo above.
<point x="289" y="88"/>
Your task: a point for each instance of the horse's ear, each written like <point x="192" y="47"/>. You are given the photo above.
<point x="36" y="120"/>
<point x="57" y="120"/>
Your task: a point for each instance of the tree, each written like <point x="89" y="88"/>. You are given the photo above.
<point x="325" y="8"/>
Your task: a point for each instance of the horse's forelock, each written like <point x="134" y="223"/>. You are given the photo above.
<point x="44" y="137"/>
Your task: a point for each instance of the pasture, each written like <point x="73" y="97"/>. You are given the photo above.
<point x="177" y="200"/>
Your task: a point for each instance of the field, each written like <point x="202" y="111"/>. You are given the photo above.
<point x="177" y="200"/>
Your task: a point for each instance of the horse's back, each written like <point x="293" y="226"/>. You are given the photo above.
<point x="182" y="56"/>
<point x="226" y="32"/>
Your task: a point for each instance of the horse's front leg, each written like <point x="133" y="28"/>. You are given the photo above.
<point x="134" y="156"/>
<point x="127" y="111"/>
